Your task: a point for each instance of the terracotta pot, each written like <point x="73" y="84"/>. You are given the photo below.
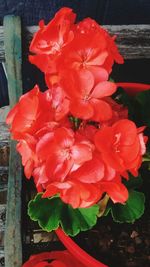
<point x="73" y="248"/>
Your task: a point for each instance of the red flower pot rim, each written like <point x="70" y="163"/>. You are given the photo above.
<point x="72" y="247"/>
<point x="133" y="88"/>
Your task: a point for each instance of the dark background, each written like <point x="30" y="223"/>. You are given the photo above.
<point x="103" y="11"/>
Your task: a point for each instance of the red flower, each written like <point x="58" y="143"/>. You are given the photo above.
<point x="24" y="114"/>
<point x="120" y="146"/>
<point x="62" y="153"/>
<point x="53" y="259"/>
<point x="49" y="42"/>
<point x="92" y="48"/>
<point x="115" y="190"/>
<point x="85" y="186"/>
<point x="83" y="164"/>
<point x="86" y="51"/>
<point x="59" y="103"/>
<point x="87" y="101"/>
<point x="36" y="110"/>
<point x="51" y="38"/>
<point x="63" y="44"/>
<point x="113" y="54"/>
<point x="26" y="148"/>
<point x="75" y="193"/>
<point x="31" y="113"/>
<point x="83" y="195"/>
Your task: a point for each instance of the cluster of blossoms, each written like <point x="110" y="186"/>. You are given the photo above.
<point x="75" y="139"/>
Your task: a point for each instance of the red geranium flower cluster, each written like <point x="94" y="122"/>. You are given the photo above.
<point x="74" y="139"/>
<point x="53" y="259"/>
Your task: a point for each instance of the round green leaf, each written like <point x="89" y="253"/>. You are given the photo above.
<point x="132" y="210"/>
<point x="52" y="213"/>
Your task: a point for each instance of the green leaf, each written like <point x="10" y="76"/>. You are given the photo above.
<point x="131" y="211"/>
<point x="143" y="99"/>
<point x="138" y="106"/>
<point x="52" y="213"/>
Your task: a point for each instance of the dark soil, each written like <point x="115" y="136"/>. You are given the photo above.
<point x="118" y="245"/>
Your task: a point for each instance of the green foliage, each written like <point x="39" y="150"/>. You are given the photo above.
<point x="132" y="210"/>
<point x="138" y="106"/>
<point x="143" y="100"/>
<point x="52" y="213"/>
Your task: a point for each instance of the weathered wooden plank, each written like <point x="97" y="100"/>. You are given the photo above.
<point x="4" y="135"/>
<point x="13" y="57"/>
<point x="3" y="170"/>
<point x="3" y="113"/>
<point x="4" y="154"/>
<point x="133" y="40"/>
<point x="2" y="228"/>
<point x="3" y="179"/>
<point x="2" y="260"/>
<point x="4" y="131"/>
<point x="2" y="217"/>
<point x="2" y="50"/>
<point x="12" y="241"/>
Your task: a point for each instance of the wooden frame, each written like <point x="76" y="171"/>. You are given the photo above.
<point x="133" y="42"/>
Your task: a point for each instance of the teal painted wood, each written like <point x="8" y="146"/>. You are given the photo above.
<point x="13" y="57"/>
<point x="12" y="240"/>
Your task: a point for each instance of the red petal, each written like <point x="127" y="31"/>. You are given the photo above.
<point x="94" y="195"/>
<point x="64" y="137"/>
<point x="99" y="73"/>
<point x="45" y="63"/>
<point x="51" y="190"/>
<point x="85" y="82"/>
<point x="79" y="84"/>
<point x="40" y="176"/>
<point x="102" y="110"/>
<point x="128" y="131"/>
<point x="72" y="197"/>
<point x="97" y="59"/>
<point x="44" y="146"/>
<point x="143" y="141"/>
<point x="28" y="169"/>
<point x="90" y="172"/>
<point x="114" y="161"/>
<point x="81" y="195"/>
<point x="81" y="109"/>
<point x="117" y="191"/>
<point x="104" y="139"/>
<point x="57" y="168"/>
<point x="104" y="89"/>
<point x="28" y="107"/>
<point x="81" y="153"/>
<point x="129" y="153"/>
<point x="12" y="113"/>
